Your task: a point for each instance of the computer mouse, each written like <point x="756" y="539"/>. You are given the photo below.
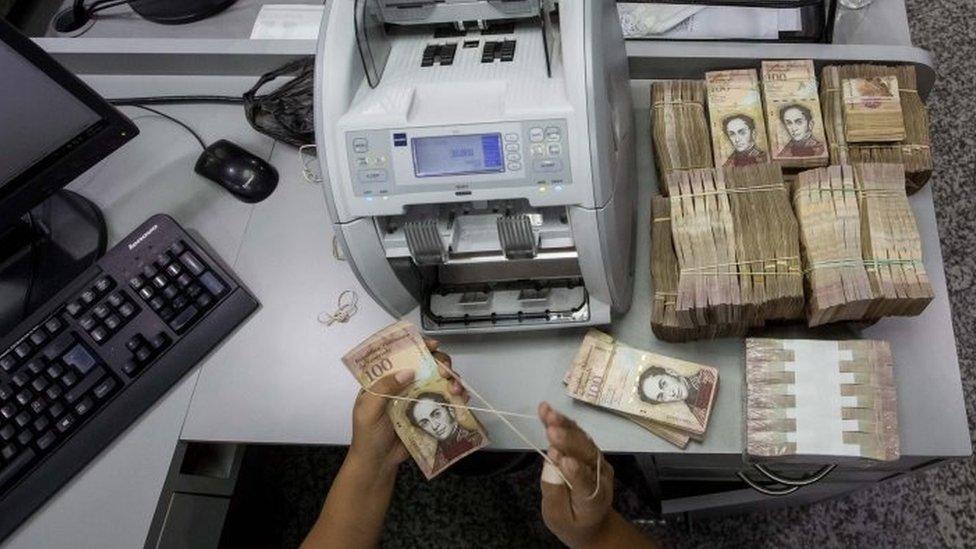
<point x="243" y="174"/>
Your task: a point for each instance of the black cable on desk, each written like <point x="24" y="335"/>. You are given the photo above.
<point x="174" y="120"/>
<point x="177" y="100"/>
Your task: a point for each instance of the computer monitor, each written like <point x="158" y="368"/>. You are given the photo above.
<point x="53" y="127"/>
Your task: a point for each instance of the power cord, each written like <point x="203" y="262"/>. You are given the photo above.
<point x="174" y="120"/>
<point x="177" y="100"/>
<point x="33" y="268"/>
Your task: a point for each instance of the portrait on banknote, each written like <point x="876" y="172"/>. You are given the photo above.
<point x="740" y="130"/>
<point x="431" y="414"/>
<point x="659" y="385"/>
<point x="798" y="122"/>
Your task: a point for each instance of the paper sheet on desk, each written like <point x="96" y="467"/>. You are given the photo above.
<point x="691" y="22"/>
<point x="287" y="22"/>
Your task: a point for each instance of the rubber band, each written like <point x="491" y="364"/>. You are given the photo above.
<point x="851" y="262"/>
<point x="744" y="190"/>
<point x="596" y="489"/>
<point x="662" y="104"/>
<point x="448" y="404"/>
<point x="661" y="219"/>
<point x="346" y="307"/>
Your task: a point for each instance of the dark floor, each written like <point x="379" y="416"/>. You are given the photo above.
<point x="936" y="508"/>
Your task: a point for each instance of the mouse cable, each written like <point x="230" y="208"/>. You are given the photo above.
<point x="174" y="120"/>
<point x="178" y="100"/>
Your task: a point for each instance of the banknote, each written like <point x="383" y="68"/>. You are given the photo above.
<point x="872" y="109"/>
<point x="436" y="434"/>
<point x="735" y="114"/>
<point x="675" y="436"/>
<point x="796" y="129"/>
<point x="672" y="392"/>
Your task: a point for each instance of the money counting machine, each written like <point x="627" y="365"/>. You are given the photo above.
<point x="481" y="161"/>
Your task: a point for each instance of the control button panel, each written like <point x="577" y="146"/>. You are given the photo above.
<point x="547" y="156"/>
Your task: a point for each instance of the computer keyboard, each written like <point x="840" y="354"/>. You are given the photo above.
<point x="83" y="367"/>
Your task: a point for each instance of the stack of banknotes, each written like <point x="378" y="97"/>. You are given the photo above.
<point x="820" y="401"/>
<point x="670" y="398"/>
<point x="862" y="253"/>
<point x="796" y="130"/>
<point x="873" y="113"/>
<point x="433" y="424"/>
<point x="679" y="127"/>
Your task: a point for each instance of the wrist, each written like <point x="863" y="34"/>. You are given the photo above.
<point x="603" y="533"/>
<point x="365" y="465"/>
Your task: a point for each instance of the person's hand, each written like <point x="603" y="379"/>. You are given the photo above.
<point x="375" y="443"/>
<point x="576" y="518"/>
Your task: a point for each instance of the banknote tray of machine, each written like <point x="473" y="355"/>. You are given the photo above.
<point x="515" y="302"/>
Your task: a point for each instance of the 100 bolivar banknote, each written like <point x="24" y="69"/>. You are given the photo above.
<point x="436" y="435"/>
<point x="666" y="390"/>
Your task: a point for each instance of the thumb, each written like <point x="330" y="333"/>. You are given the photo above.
<point x="373" y="405"/>
<point x="556" y="502"/>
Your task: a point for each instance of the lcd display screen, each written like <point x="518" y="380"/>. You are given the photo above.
<point x="457" y="154"/>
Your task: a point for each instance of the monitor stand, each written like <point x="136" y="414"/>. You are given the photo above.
<point x="62" y="237"/>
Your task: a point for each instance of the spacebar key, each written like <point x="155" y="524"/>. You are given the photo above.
<point x="181" y="321"/>
<point x="16" y="466"/>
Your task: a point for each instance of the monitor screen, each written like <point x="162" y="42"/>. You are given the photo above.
<point x="457" y="154"/>
<point x="37" y="115"/>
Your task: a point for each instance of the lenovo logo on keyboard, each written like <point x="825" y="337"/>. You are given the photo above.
<point x="142" y="237"/>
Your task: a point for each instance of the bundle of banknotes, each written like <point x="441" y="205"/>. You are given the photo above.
<point x="670" y="398"/>
<point x="679" y="127"/>
<point x="820" y="401"/>
<point x="432" y="423"/>
<point x="873" y="113"/>
<point x="862" y="253"/>
<point x="796" y="129"/>
<point x="735" y="241"/>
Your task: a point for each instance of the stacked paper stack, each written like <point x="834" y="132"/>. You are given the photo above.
<point x="820" y="401"/>
<point x="854" y="106"/>
<point x="679" y="129"/>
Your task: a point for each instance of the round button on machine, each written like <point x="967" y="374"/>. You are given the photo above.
<point x="511" y="147"/>
<point x="536" y="135"/>
<point x="511" y="137"/>
<point x="552" y="134"/>
<point x="513" y="157"/>
<point x="514" y="166"/>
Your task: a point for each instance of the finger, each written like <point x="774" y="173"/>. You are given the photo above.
<point x="556" y="502"/>
<point x="445" y="363"/>
<point x="550" y="417"/>
<point x="432" y="344"/>
<point x="573" y="441"/>
<point x="580" y="475"/>
<point x="372" y="406"/>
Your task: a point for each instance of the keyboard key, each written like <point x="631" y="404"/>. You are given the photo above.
<point x="7" y="362"/>
<point x="204" y="301"/>
<point x="183" y="320"/>
<point x="87" y="297"/>
<point x="193" y="290"/>
<point x="170" y="292"/>
<point x="193" y="263"/>
<point x="180" y="302"/>
<point x="54" y="371"/>
<point x="146" y="293"/>
<point x="38" y="406"/>
<point x="69" y="379"/>
<point x="9" y="451"/>
<point x="101" y="310"/>
<point x="65" y="423"/>
<point x="7" y="432"/>
<point x="8" y="410"/>
<point x="35" y="366"/>
<point x="160" y="342"/>
<point x="127" y="310"/>
<point x="157" y="303"/>
<point x="88" y="323"/>
<point x="104" y="284"/>
<point x="160" y="281"/>
<point x="24" y="397"/>
<point x="39" y="384"/>
<point x="164" y="259"/>
<point x="184" y="280"/>
<point x="74" y="308"/>
<point x="131" y="368"/>
<point x="167" y="313"/>
<point x="6" y="393"/>
<point x="53" y="392"/>
<point x="134" y="343"/>
<point x="14" y="468"/>
<point x="25" y="437"/>
<point x="23" y="350"/>
<point x="115" y="300"/>
<point x="177" y="247"/>
<point x="113" y="322"/>
<point x="57" y="347"/>
<point x="38" y="337"/>
<point x="174" y="270"/>
<point x="46" y="440"/>
<point x="135" y="282"/>
<point x="22" y="419"/>
<point x="56" y="410"/>
<point x="80" y="359"/>
<point x="99" y="334"/>
<point x="41" y="423"/>
<point x="104" y="388"/>
<point x="85" y="406"/>
<point x="53" y="325"/>
<point x="86" y="385"/>
<point x="212" y="283"/>
<point x="21" y="378"/>
<point x="149" y="271"/>
<point x="143" y="354"/>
